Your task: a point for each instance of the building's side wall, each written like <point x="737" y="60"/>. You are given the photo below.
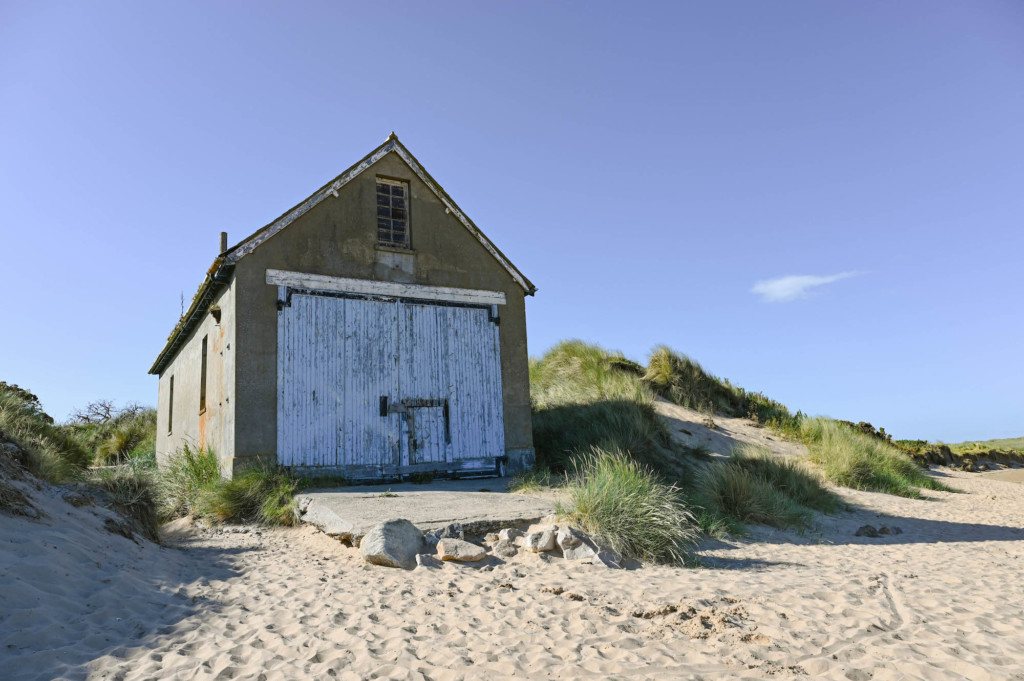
<point x="214" y="428"/>
<point x="339" y="238"/>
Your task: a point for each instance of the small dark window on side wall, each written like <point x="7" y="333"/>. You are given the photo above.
<point x="202" y="381"/>
<point x="392" y="213"/>
<point x="170" y="405"/>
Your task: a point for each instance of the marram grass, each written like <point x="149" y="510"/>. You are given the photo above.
<point x="615" y="498"/>
<point x="260" y="494"/>
<point x="583" y="398"/>
<point x="852" y="459"/>
<point x="755" y="486"/>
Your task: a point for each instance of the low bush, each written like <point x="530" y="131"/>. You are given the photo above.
<point x="613" y="497"/>
<point x="755" y="486"/>
<point x="853" y="459"/>
<point x="114" y="435"/>
<point x="260" y="494"/>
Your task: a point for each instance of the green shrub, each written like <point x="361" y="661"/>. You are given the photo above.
<point x="187" y="481"/>
<point x="850" y="458"/>
<point x="133" y="489"/>
<point x="259" y="494"/>
<point x="126" y="434"/>
<point x="583" y="397"/>
<point x="755" y="486"/>
<point x="51" y="453"/>
<point x="623" y="503"/>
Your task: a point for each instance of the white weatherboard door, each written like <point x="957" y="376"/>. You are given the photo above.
<point x="378" y="387"/>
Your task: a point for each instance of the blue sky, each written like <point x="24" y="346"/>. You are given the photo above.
<point x="819" y="200"/>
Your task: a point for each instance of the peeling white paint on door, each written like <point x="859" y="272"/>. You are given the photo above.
<point x="381" y="387"/>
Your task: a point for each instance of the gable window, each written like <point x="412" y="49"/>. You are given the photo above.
<point x="170" y="406"/>
<point x="202" y="380"/>
<point x="392" y="213"/>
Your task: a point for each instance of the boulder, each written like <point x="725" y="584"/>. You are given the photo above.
<point x="490" y="538"/>
<point x="866" y="531"/>
<point x="452" y="531"/>
<point x="393" y="543"/>
<point x="509" y="534"/>
<point x="543" y="540"/>
<point x="460" y="550"/>
<point x="503" y="548"/>
<point x="889" y="530"/>
<point x="576" y="545"/>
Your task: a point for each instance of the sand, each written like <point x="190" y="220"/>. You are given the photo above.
<point x="720" y="437"/>
<point x="942" y="600"/>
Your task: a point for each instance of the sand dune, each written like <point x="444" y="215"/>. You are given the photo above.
<point x="942" y="600"/>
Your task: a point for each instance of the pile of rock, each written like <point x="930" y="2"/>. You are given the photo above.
<point x="870" y="531"/>
<point x="399" y="543"/>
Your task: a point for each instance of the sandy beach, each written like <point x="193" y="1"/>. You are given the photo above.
<point x="942" y="600"/>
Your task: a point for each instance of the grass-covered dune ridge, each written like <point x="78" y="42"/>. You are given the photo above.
<point x="588" y="399"/>
<point x="851" y="458"/>
<point x="50" y="451"/>
<point x="684" y="381"/>
<point x="583" y="398"/>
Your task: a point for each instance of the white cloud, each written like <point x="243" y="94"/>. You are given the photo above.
<point x="794" y="286"/>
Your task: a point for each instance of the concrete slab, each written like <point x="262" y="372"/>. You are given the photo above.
<point x="480" y="505"/>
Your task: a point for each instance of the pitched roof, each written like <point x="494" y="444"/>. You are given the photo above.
<point x="220" y="272"/>
<point x="392" y="144"/>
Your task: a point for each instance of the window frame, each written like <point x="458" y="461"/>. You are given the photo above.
<point x="170" y="405"/>
<point x="390" y="243"/>
<point x="202" y="378"/>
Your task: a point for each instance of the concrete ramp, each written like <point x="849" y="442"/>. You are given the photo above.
<point x="480" y="505"/>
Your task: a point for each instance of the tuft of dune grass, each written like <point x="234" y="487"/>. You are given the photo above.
<point x="533" y="480"/>
<point x="260" y="494"/>
<point x="613" y="497"/>
<point x="756" y="486"/>
<point x="852" y="459"/>
<point x="187" y="481"/>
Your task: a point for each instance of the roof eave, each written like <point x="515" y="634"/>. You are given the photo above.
<point x="392" y="144"/>
<point x="217" y="277"/>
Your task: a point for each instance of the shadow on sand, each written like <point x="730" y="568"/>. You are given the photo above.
<point x="140" y="607"/>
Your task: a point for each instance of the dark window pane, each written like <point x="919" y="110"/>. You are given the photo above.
<point x="383" y="200"/>
<point x="397" y="190"/>
<point x="383" y="212"/>
<point x="398" y="213"/>
<point x="398" y="203"/>
<point x="383" y="223"/>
